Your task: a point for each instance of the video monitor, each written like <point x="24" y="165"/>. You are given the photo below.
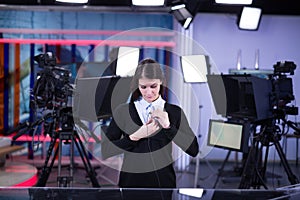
<point x="228" y="135"/>
<point x="127" y="61"/>
<point x="194" y="68"/>
<point x="95" y="98"/>
<point x="241" y="96"/>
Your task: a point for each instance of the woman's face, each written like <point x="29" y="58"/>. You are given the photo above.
<point x="149" y="88"/>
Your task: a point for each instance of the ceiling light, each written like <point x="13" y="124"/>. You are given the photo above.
<point x="187" y="22"/>
<point x="72" y="1"/>
<point x="240" y="2"/>
<point x="184" y="10"/>
<point x="176" y="7"/>
<point x="148" y="2"/>
<point x="249" y="18"/>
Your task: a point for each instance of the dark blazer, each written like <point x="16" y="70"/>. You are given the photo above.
<point x="147" y="163"/>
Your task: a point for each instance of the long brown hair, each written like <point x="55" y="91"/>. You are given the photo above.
<point x="147" y="68"/>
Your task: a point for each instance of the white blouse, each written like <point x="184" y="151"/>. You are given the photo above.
<point x="144" y="108"/>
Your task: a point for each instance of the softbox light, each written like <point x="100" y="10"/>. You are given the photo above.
<point x="127" y="61"/>
<point x="249" y="18"/>
<point x="194" y="68"/>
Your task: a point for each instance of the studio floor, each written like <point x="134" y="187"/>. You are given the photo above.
<point x="209" y="175"/>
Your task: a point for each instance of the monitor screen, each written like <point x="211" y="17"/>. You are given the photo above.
<point x="194" y="68"/>
<point x="228" y="135"/>
<point x="127" y="61"/>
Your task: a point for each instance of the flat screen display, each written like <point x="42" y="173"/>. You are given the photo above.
<point x="227" y="135"/>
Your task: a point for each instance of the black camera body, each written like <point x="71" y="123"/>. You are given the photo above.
<point x="45" y="60"/>
<point x="52" y="87"/>
<point x="254" y="97"/>
<point x="282" y="89"/>
<point x="284" y="67"/>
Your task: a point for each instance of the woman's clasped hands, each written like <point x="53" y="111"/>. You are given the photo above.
<point x="158" y="119"/>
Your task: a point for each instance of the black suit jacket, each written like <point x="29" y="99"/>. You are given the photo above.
<point x="147" y="163"/>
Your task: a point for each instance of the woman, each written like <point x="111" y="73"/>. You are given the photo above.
<point x="144" y="129"/>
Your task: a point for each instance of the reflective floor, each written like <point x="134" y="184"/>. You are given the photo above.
<point x="144" y="194"/>
<point x="209" y="176"/>
<point x="210" y="184"/>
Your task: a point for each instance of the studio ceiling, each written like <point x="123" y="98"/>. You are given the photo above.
<point x="273" y="7"/>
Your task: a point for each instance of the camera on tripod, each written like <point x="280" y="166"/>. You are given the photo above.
<point x="253" y="103"/>
<point x="253" y="97"/>
<point x="52" y="91"/>
<point x="52" y="88"/>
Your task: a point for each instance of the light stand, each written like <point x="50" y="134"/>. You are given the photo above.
<point x="197" y="157"/>
<point x="194" y="70"/>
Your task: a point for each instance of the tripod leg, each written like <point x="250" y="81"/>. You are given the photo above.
<point x="71" y="172"/>
<point x="249" y="168"/>
<point x="46" y="170"/>
<point x="65" y="181"/>
<point x="292" y="178"/>
<point x="222" y="168"/>
<point x="260" y="167"/>
<point x="84" y="156"/>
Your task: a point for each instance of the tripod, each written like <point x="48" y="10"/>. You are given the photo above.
<point x="66" y="181"/>
<point x="255" y="167"/>
<point x="70" y="136"/>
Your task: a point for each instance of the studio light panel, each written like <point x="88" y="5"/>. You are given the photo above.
<point x="194" y="68"/>
<point x="250" y="18"/>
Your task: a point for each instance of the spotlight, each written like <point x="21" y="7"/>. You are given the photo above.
<point x="176" y="7"/>
<point x="184" y="10"/>
<point x="182" y="14"/>
<point x="249" y="18"/>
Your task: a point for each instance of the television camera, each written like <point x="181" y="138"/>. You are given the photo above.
<point x="52" y="88"/>
<point x="261" y="101"/>
<point x="52" y="93"/>
<point x="282" y="93"/>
